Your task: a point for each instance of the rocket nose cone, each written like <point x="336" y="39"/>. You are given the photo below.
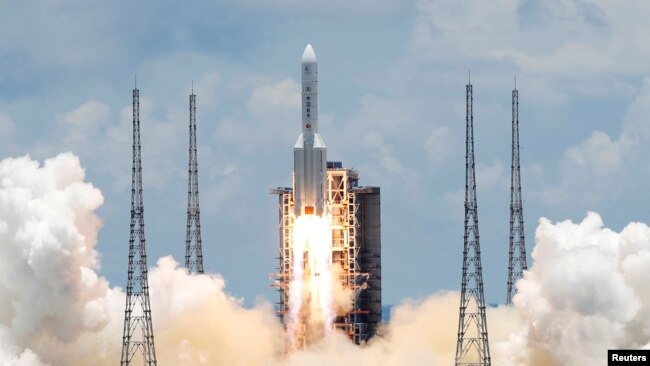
<point x="308" y="55"/>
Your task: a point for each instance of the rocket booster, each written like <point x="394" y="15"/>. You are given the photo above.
<point x="309" y="153"/>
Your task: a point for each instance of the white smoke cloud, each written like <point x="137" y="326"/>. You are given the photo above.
<point x="50" y="291"/>
<point x="56" y="310"/>
<point x="586" y="291"/>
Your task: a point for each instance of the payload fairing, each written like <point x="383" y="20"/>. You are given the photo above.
<point x="309" y="153"/>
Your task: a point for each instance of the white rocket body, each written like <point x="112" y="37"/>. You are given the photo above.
<point x="309" y="153"/>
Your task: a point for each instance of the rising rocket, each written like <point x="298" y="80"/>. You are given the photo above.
<point x="309" y="153"/>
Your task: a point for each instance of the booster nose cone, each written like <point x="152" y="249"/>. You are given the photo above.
<point x="308" y="56"/>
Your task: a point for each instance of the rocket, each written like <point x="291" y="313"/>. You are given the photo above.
<point x="309" y="153"/>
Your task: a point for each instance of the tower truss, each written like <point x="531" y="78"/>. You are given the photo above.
<point x="517" y="246"/>
<point x="472" y="347"/>
<point x="193" y="250"/>
<point x="137" y="336"/>
<point x="355" y="214"/>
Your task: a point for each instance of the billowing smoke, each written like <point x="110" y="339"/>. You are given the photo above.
<point x="56" y="310"/>
<point x="49" y="290"/>
<point x="586" y="291"/>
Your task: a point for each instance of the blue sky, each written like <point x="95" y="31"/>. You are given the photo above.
<point x="392" y="78"/>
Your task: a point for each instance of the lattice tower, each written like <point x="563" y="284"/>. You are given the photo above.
<point x="193" y="250"/>
<point x="137" y="335"/>
<point x="517" y="246"/>
<point x="472" y="343"/>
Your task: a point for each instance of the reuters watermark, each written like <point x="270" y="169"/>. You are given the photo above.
<point x="628" y="357"/>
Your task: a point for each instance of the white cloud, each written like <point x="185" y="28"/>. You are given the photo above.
<point x="490" y="178"/>
<point x="85" y="122"/>
<point x="589" y="47"/>
<point x="90" y="113"/>
<point x="278" y="100"/>
<point x="103" y="140"/>
<point x="439" y="145"/>
<point x="598" y="154"/>
<point x="52" y="31"/>
<point x="206" y="90"/>
<point x="272" y="118"/>
<point x="388" y="136"/>
<point x="389" y="163"/>
<point x="493" y="175"/>
<point x="602" y="168"/>
<point x="339" y="8"/>
<point x="225" y="181"/>
<point x="7" y="128"/>
<point x="466" y="27"/>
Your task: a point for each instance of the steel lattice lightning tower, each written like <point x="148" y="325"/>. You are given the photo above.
<point x="137" y="336"/>
<point x="517" y="246"/>
<point x="472" y="344"/>
<point x="193" y="251"/>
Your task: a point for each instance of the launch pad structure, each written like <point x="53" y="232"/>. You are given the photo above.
<point x="356" y="251"/>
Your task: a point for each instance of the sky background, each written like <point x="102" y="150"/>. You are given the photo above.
<point x="392" y="78"/>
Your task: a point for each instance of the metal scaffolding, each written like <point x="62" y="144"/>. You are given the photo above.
<point x="367" y="305"/>
<point x="137" y="337"/>
<point x="517" y="247"/>
<point x="283" y="277"/>
<point x="356" y="251"/>
<point x="472" y="344"/>
<point x="193" y="250"/>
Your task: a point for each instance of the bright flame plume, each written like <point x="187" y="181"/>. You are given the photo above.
<point x="311" y="312"/>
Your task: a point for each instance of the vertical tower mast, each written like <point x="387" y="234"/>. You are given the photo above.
<point x="472" y="343"/>
<point x="193" y="250"/>
<point x="137" y="337"/>
<point x="517" y="247"/>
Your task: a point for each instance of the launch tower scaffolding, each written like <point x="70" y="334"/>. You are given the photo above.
<point x="356" y="251"/>
<point x="517" y="246"/>
<point x="137" y="337"/>
<point x="472" y="347"/>
<point x="193" y="250"/>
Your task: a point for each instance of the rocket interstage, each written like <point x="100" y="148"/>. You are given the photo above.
<point x="309" y="153"/>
